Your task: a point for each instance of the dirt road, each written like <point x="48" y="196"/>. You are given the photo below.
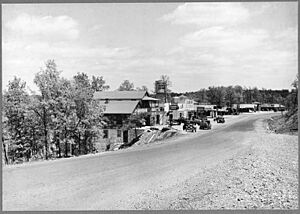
<point x="117" y="180"/>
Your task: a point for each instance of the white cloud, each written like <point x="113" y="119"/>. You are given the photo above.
<point x="44" y="27"/>
<point x="234" y="56"/>
<point x="95" y="28"/>
<point x="225" y="40"/>
<point x="208" y="14"/>
<point x="32" y="40"/>
<point x="25" y="59"/>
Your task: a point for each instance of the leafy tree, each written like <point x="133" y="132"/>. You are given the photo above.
<point x="98" y="84"/>
<point x="291" y="101"/>
<point x="229" y="96"/>
<point x="296" y="82"/>
<point x="15" y="107"/>
<point x="126" y="86"/>
<point x="89" y="114"/>
<point x="238" y="94"/>
<point x="135" y="121"/>
<point x="143" y="88"/>
<point x="34" y="132"/>
<point x="64" y="116"/>
<point x="48" y="82"/>
<point x="202" y="96"/>
<point x="216" y="95"/>
<point x="256" y="94"/>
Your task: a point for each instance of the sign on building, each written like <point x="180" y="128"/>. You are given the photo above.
<point x="174" y="107"/>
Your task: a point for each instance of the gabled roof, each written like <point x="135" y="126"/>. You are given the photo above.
<point x="119" y="107"/>
<point x="149" y="98"/>
<point x="120" y="95"/>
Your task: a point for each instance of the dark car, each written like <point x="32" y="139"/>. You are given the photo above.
<point x="220" y="119"/>
<point x="196" y="122"/>
<point x="205" y="124"/>
<point x="178" y="121"/>
<point x="189" y="127"/>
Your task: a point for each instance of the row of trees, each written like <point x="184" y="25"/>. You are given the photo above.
<point x="227" y="96"/>
<point x="63" y="119"/>
<point x="126" y="85"/>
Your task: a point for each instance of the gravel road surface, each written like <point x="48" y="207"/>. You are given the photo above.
<point x="142" y="177"/>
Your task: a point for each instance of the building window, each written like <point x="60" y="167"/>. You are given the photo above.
<point x="119" y="133"/>
<point x="105" y="133"/>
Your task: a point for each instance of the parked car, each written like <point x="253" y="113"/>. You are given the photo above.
<point x="189" y="127"/>
<point x="220" y="119"/>
<point x="181" y="120"/>
<point x="196" y="121"/>
<point x="205" y="124"/>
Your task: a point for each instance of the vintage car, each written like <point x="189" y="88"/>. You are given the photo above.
<point x="235" y="113"/>
<point x="220" y="119"/>
<point x="178" y="121"/>
<point x="189" y="127"/>
<point x="205" y="124"/>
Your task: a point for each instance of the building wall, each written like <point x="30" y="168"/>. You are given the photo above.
<point x="114" y="140"/>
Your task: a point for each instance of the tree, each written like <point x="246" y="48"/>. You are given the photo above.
<point x="143" y="88"/>
<point x="5" y="137"/>
<point x="126" y="86"/>
<point x="238" y="94"/>
<point x="292" y="99"/>
<point x="64" y="116"/>
<point x="47" y="80"/>
<point x="229" y="96"/>
<point x="135" y="121"/>
<point x="296" y="82"/>
<point x="89" y="117"/>
<point x="256" y="94"/>
<point x="216" y="95"/>
<point x="15" y="104"/>
<point x="199" y="96"/>
<point x="98" y="84"/>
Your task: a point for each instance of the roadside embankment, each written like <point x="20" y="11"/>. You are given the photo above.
<point x="151" y="136"/>
<point x="265" y="176"/>
<point x="284" y="124"/>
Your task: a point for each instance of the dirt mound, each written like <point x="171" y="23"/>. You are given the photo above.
<point x="285" y="124"/>
<point x="156" y="135"/>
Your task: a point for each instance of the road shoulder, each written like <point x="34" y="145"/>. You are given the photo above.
<point x="263" y="177"/>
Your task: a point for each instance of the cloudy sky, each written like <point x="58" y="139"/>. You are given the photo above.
<point x="196" y="44"/>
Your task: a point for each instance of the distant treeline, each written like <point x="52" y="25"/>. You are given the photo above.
<point x="226" y="96"/>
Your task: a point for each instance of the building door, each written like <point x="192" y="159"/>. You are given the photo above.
<point x="148" y="120"/>
<point x="157" y="119"/>
<point x="125" y="136"/>
<point x="170" y="117"/>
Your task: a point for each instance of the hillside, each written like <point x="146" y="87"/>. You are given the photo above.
<point x="285" y="124"/>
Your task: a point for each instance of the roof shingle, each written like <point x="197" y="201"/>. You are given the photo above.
<point x="119" y="107"/>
